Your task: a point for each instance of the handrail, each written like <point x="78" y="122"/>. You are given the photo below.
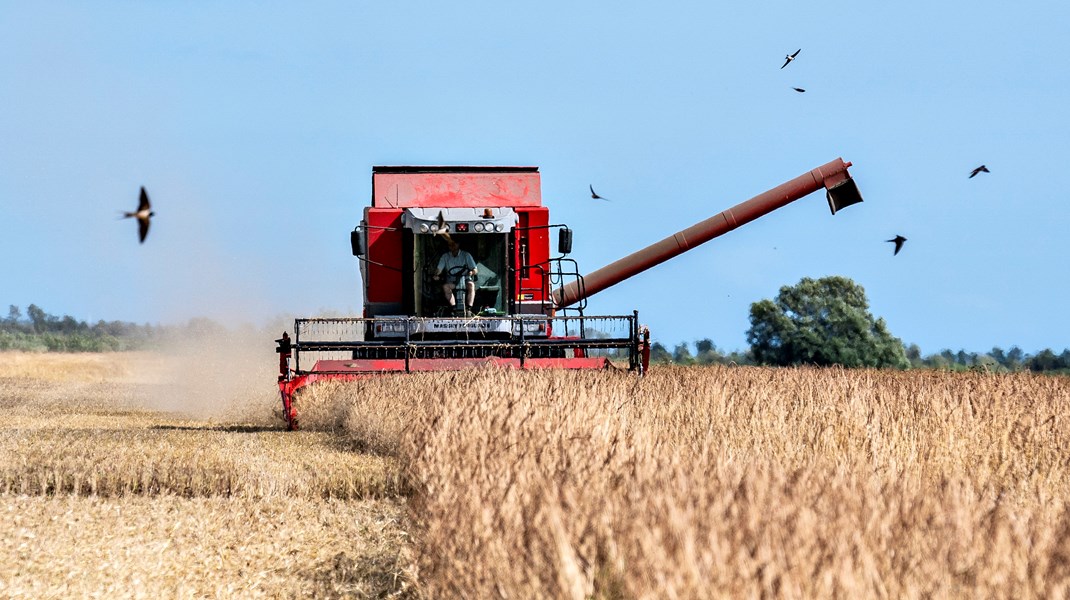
<point x="527" y="336"/>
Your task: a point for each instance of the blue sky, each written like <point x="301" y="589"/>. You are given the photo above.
<point x="254" y="126"/>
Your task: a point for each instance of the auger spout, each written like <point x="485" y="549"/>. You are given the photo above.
<point x="833" y="176"/>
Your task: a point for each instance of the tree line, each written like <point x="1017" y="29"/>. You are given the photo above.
<point x="39" y="331"/>
<point x="827" y="321"/>
<point x="996" y="360"/>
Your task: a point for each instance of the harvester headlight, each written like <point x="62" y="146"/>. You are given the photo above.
<point x="434" y="228"/>
<point x="499" y="227"/>
<point x="479" y="227"/>
<point x="423" y="228"/>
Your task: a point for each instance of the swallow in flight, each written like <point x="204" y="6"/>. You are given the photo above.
<point x="980" y="169"/>
<point x="142" y="214"/>
<point x="596" y="196"/>
<point x="443" y="230"/>
<point x="898" y="241"/>
<point x="790" y="57"/>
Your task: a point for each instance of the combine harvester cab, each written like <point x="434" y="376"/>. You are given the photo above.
<point x="526" y="303"/>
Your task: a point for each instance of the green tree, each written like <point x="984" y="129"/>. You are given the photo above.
<point x="706" y="352"/>
<point x="681" y="354"/>
<point x="824" y="322"/>
<point x="913" y="354"/>
<point x="938" y="361"/>
<point x="1045" y="360"/>
<point x="39" y="318"/>
<point x="659" y="355"/>
<point x="987" y="363"/>
<point x="1015" y="358"/>
<point x="963" y="359"/>
<point x="999" y="356"/>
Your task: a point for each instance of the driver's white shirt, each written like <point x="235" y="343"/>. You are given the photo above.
<point x="448" y="261"/>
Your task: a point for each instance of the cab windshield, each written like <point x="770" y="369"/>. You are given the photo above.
<point x="488" y="252"/>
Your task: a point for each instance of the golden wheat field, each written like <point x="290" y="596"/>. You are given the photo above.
<point x="689" y="483"/>
<point x="727" y="482"/>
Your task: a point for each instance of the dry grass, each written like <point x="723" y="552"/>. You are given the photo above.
<point x="722" y="482"/>
<point x="115" y="367"/>
<point x="189" y="460"/>
<point x="132" y="476"/>
<point x="92" y="438"/>
<point x="169" y="547"/>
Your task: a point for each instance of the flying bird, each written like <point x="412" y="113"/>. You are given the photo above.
<point x="142" y="214"/>
<point x="442" y="229"/>
<point x="800" y="90"/>
<point x="790" y="57"/>
<point x="898" y="241"/>
<point x="596" y="196"/>
<point x="980" y="169"/>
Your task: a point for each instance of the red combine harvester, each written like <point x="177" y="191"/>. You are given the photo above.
<point x="427" y="309"/>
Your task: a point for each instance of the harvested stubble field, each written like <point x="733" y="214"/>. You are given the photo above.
<point x="689" y="483"/>
<point x="108" y="490"/>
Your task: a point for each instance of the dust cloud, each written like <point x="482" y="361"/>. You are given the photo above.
<point x="209" y="372"/>
<point x="216" y="367"/>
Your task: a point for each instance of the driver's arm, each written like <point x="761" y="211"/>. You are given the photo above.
<point x="471" y="265"/>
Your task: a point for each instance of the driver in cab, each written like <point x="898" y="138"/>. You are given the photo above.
<point x="456" y="263"/>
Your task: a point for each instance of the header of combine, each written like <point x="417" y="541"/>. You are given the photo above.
<point x="457" y="270"/>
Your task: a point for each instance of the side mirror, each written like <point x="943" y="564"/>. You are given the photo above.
<point x="564" y="240"/>
<point x="356" y="240"/>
